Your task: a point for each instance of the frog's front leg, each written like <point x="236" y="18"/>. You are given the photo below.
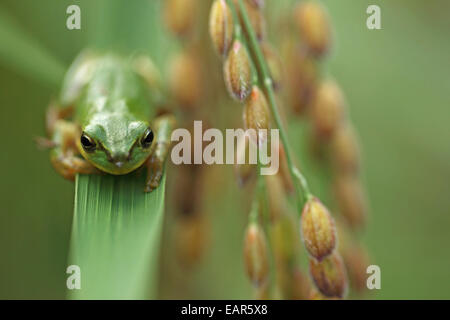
<point x="54" y="113"/>
<point x="68" y="165"/>
<point x="163" y="126"/>
<point x="64" y="155"/>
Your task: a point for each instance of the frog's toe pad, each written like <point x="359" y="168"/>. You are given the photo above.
<point x="154" y="178"/>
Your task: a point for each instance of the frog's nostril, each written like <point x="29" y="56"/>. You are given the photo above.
<point x="118" y="158"/>
<point x="119" y="164"/>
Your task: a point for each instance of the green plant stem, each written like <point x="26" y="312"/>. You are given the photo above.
<point x="253" y="216"/>
<point x="300" y="181"/>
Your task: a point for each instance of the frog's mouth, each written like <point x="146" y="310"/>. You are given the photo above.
<point x="123" y="167"/>
<point x="121" y="163"/>
<point x="118" y="167"/>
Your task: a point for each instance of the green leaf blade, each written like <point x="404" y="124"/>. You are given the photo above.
<point x="116" y="236"/>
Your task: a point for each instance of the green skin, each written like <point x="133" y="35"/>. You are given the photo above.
<point x="111" y="103"/>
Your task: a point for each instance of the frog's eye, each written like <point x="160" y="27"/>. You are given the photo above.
<point x="87" y="143"/>
<point x="147" y="138"/>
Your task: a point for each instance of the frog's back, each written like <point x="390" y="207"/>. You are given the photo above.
<point x="110" y="85"/>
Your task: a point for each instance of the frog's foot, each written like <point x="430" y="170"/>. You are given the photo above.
<point x="69" y="165"/>
<point x="163" y="126"/>
<point x="155" y="168"/>
<point x="44" y="143"/>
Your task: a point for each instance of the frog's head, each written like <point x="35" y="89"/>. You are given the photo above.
<point x="116" y="144"/>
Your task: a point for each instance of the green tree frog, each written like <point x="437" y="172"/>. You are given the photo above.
<point x="106" y="119"/>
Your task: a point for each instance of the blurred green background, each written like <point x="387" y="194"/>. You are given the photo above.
<point x="397" y="83"/>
